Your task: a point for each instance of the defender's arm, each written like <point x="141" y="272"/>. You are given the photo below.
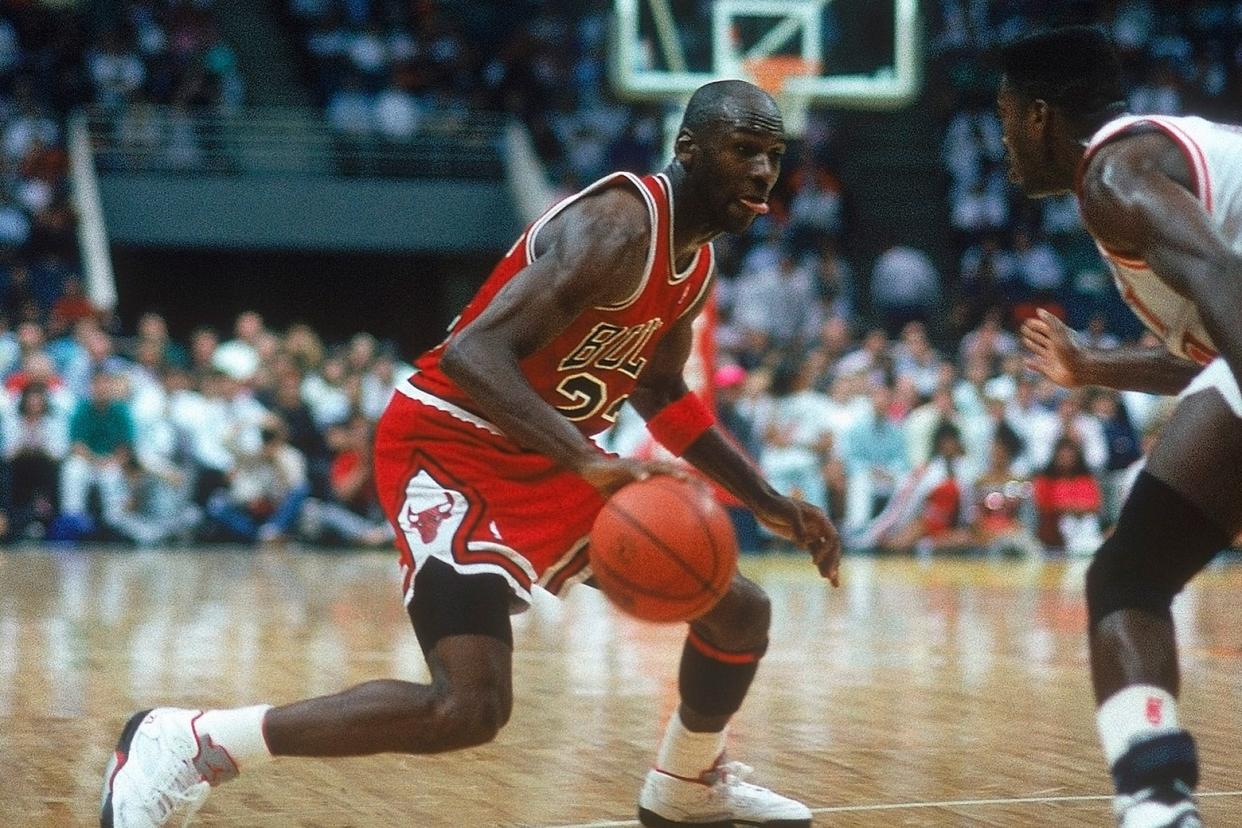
<point x="1134" y="203"/>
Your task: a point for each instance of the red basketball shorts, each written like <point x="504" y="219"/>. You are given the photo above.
<point x="456" y="489"/>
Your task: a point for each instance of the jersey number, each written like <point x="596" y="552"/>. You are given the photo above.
<point x="587" y="395"/>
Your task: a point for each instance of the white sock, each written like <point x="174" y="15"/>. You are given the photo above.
<point x="1138" y="712"/>
<point x="239" y="731"/>
<point x="688" y="754"/>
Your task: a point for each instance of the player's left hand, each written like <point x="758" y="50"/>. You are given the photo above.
<point x="808" y="527"/>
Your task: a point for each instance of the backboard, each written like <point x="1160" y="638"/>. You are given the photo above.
<point x="856" y="54"/>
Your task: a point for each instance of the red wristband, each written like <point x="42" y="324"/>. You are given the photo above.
<point x="680" y="423"/>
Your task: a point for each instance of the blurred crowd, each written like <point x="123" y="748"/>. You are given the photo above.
<point x="54" y="58"/>
<point x="893" y="394"/>
<point x="260" y="437"/>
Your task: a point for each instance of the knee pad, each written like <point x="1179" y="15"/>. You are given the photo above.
<point x="1160" y="541"/>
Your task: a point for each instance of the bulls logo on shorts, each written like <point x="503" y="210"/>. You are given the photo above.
<point x="431" y="513"/>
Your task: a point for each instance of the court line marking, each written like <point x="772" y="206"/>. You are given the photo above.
<point x="946" y="803"/>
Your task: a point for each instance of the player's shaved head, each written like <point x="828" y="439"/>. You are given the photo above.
<point x="732" y="104"/>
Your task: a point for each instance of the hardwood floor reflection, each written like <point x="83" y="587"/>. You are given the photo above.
<point x="957" y="682"/>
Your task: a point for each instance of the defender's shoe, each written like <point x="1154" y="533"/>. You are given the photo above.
<point x="1163" y="806"/>
<point x="719" y="799"/>
<point x="162" y="768"/>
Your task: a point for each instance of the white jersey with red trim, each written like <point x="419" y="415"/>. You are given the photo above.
<point x="1214" y="154"/>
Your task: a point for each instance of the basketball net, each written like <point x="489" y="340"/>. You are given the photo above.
<point x="771" y="74"/>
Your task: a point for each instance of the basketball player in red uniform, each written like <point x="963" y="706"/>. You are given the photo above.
<point x="485" y="468"/>
<point x="1162" y="197"/>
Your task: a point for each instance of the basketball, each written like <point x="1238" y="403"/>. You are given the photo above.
<point x="663" y="550"/>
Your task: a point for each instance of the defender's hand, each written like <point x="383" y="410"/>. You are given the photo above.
<point x="1053" y="350"/>
<point x="808" y="527"/>
<point x="608" y="474"/>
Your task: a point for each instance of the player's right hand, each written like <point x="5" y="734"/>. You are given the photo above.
<point x="1052" y="350"/>
<point x="608" y="474"/>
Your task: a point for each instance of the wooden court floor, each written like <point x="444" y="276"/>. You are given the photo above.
<point x="942" y="693"/>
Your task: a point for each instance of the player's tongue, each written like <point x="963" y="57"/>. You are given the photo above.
<point x="757" y="204"/>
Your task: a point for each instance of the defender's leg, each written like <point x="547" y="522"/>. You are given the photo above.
<point x="1184" y="509"/>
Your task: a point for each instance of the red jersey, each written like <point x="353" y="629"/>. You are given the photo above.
<point x="589" y="370"/>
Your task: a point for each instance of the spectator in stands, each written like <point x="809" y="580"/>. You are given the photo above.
<point x="904" y="287"/>
<point x="379" y="382"/>
<point x="729" y="383"/>
<point x="327" y="393"/>
<point x="152" y="328"/>
<point x="930" y="509"/>
<point x="780" y="303"/>
<point x="155" y="508"/>
<point x="1122" y="442"/>
<point x="203" y="344"/>
<point x="921" y="423"/>
<point x="397" y="113"/>
<point x="72" y="306"/>
<point x="240" y="357"/>
<point x="1068" y="500"/>
<point x="115" y="71"/>
<point x="986" y="278"/>
<point x="266" y="490"/>
<point x="874" y="454"/>
<point x="1039" y="270"/>
<point x="980" y="207"/>
<point x="14" y="228"/>
<point x="304" y="433"/>
<point x="794" y="435"/>
<point x="1002" y="495"/>
<point x="873" y="357"/>
<point x="351" y="514"/>
<point x="305" y="347"/>
<point x="989" y="340"/>
<point x="834" y="339"/>
<point x="915" y="358"/>
<point x="1069" y="420"/>
<point x="36" y="441"/>
<point x="101" y="437"/>
<point x="834" y="280"/>
<point x="816" y="206"/>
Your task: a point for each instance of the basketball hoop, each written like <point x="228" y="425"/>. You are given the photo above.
<point x="772" y="74"/>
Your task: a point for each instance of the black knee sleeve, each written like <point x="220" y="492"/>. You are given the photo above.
<point x="714" y="682"/>
<point x="1161" y="540"/>
<point x="448" y="603"/>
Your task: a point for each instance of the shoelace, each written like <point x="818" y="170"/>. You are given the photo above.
<point x="179" y="786"/>
<point x="731" y="774"/>
<point x="191" y="799"/>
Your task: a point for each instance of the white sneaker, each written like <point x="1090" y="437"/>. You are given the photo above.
<point x="720" y="799"/>
<point x="1165" y="806"/>
<point x="161" y="769"/>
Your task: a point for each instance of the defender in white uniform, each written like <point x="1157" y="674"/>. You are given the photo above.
<point x="1163" y="199"/>
<point x="1213" y="155"/>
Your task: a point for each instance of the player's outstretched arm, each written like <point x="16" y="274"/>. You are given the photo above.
<point x="1134" y="201"/>
<point x="592" y="254"/>
<point x="1053" y="349"/>
<point x="713" y="453"/>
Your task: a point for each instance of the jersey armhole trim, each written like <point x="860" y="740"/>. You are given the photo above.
<point x="560" y="206"/>
<point x="707" y="281"/>
<point x="653" y="216"/>
<point x="674" y="277"/>
<point x="1195" y="158"/>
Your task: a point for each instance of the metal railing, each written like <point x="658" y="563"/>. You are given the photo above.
<point x="292" y="141"/>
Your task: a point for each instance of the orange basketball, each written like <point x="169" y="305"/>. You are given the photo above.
<point x="663" y="550"/>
